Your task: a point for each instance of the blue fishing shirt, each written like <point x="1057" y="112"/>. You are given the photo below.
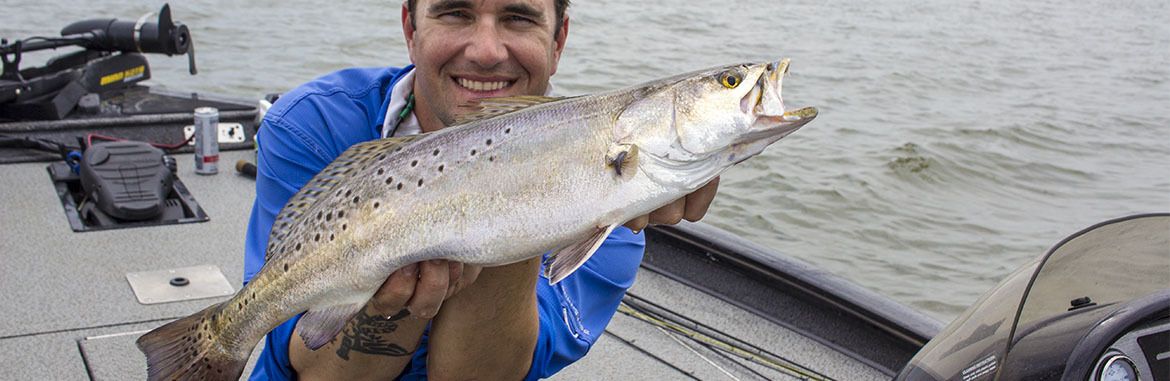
<point x="313" y="124"/>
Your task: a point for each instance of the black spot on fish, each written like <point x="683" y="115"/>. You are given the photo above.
<point x="420" y="182"/>
<point x="329" y="216"/>
<point x="317" y="238"/>
<point x="330" y="237"/>
<point x="377" y="204"/>
<point x="489" y="142"/>
<point x="493" y="158"/>
<point x="344" y="226"/>
<point x="399" y="186"/>
<point x="381" y="171"/>
<point x="381" y="157"/>
<point x="298" y="248"/>
<point x="356" y="199"/>
<point x="348" y="193"/>
<point x="440" y="168"/>
<point x="340" y="213"/>
<point x="508" y="130"/>
<point x="319" y="215"/>
<point x="286" y="267"/>
<point x="436" y="153"/>
<point x="473" y="152"/>
<point x="414" y="163"/>
<point x="399" y="149"/>
<point x="389" y="180"/>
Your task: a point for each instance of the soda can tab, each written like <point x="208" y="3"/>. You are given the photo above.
<point x="206" y="140"/>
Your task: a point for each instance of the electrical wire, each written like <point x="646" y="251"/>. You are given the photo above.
<point x="89" y="141"/>
<point x="32" y="143"/>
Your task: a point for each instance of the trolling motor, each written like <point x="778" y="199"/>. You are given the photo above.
<point x="111" y="60"/>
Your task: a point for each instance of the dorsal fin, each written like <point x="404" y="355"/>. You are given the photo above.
<point x="491" y="107"/>
<point x="353" y="159"/>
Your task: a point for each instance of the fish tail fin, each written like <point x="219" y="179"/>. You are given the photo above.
<point x="187" y="349"/>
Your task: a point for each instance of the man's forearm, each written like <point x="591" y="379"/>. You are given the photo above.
<point x="370" y="347"/>
<point x="489" y="330"/>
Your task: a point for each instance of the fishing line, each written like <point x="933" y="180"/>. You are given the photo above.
<point x="688" y="347"/>
<point x="735" y="361"/>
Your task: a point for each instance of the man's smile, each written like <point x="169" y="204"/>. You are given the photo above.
<point x="482" y="85"/>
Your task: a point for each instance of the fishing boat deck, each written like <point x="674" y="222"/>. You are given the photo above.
<point x="70" y="314"/>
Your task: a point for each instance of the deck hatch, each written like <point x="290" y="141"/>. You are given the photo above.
<point x="181" y="284"/>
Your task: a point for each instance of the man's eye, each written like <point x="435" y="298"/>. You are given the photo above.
<point x="514" y="19"/>
<point x="455" y="15"/>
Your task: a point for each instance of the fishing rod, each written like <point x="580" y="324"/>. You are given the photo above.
<point x="662" y="317"/>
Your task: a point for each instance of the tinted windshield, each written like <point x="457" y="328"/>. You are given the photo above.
<point x="1113" y="262"/>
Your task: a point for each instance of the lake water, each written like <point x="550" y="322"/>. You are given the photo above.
<point x="956" y="140"/>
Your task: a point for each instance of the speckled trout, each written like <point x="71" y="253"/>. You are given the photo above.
<point x="513" y="179"/>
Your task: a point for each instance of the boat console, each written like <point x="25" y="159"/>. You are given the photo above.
<point x="1095" y="307"/>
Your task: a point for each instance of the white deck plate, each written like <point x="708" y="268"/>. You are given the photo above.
<point x="154" y="287"/>
<point x="228" y="133"/>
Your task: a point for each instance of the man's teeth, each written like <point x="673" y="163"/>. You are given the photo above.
<point x="482" y="86"/>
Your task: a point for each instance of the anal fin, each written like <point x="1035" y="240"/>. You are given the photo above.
<point x="318" y="327"/>
<point x="567" y="259"/>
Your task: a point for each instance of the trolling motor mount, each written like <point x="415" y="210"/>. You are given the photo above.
<point x="112" y="60"/>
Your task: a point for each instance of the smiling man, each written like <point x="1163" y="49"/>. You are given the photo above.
<point x="439" y="319"/>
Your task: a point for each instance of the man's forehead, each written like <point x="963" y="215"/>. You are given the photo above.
<point x="542" y="6"/>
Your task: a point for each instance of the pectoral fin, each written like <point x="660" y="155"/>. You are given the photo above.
<point x="566" y="260"/>
<point x="319" y="326"/>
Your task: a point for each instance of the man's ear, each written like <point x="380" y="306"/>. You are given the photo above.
<point x="561" y="37"/>
<point x="408" y="30"/>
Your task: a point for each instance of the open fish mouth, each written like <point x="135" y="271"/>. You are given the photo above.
<point x="772" y="118"/>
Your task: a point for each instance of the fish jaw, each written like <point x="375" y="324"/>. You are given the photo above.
<point x="772" y="120"/>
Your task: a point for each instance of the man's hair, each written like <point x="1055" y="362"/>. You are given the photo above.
<point x="558" y="5"/>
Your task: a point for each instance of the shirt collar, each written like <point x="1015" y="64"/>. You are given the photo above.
<point x="398" y="95"/>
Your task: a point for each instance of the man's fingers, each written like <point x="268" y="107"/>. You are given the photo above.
<point x="454" y="275"/>
<point x="434" y="275"/>
<point x="698" y="202"/>
<point x="396" y="291"/>
<point x="670" y="214"/>
<point x="639" y="223"/>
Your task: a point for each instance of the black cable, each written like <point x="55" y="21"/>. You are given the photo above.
<point x="31" y="143"/>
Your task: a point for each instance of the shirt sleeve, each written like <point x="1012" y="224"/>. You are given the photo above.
<point x="575" y="312"/>
<point x="296" y="140"/>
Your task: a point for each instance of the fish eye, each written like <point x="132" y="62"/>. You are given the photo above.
<point x="730" y="79"/>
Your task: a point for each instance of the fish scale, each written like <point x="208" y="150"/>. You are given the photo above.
<point x="517" y="178"/>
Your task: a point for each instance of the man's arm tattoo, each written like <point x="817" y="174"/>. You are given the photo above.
<point x="369" y="334"/>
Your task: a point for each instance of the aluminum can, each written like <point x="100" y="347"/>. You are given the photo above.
<point x="206" y="140"/>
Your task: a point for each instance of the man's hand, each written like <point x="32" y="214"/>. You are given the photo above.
<point x="422" y="287"/>
<point x="381" y="337"/>
<point x="692" y="208"/>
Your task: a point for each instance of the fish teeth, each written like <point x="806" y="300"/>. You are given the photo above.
<point x="482" y="86"/>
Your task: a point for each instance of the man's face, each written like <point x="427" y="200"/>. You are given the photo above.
<point x="470" y="49"/>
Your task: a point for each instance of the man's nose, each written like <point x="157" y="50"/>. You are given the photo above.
<point x="487" y="45"/>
